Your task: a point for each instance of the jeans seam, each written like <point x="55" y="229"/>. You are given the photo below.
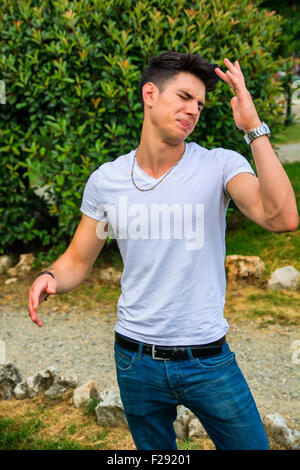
<point x="215" y="367"/>
<point x="170" y="388"/>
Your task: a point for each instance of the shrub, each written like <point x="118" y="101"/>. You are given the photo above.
<point x="72" y="70"/>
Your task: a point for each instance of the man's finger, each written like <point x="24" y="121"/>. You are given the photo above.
<point x="51" y="289"/>
<point x="238" y="66"/>
<point x="225" y="78"/>
<point x="33" y="315"/>
<point x="233" y="68"/>
<point x="221" y="74"/>
<point x="234" y="81"/>
<point x="36" y="295"/>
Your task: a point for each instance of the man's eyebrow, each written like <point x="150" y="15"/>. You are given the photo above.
<point x="191" y="97"/>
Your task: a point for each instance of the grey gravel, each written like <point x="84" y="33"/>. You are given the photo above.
<point x="81" y="343"/>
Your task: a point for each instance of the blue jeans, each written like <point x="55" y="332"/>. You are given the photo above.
<point x="213" y="388"/>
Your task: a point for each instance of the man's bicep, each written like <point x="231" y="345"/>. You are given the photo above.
<point x="88" y="240"/>
<point x="244" y="189"/>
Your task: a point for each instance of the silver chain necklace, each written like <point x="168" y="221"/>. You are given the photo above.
<point x="161" y="179"/>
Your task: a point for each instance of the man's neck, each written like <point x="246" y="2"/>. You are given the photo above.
<point x="157" y="157"/>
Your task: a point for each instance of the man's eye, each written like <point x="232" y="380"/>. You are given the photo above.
<point x="185" y="98"/>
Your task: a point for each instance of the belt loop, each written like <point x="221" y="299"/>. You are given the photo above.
<point x="140" y="350"/>
<point x="190" y="354"/>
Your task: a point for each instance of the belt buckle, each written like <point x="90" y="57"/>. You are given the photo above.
<point x="157" y="358"/>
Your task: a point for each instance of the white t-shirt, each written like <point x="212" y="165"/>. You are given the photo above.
<point x="172" y="242"/>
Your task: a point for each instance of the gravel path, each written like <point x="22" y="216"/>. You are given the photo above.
<point x="289" y="153"/>
<point x="81" y="343"/>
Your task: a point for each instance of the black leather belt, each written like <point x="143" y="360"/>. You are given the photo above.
<point x="172" y="352"/>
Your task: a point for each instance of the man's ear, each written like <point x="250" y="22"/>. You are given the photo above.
<point x="150" y="94"/>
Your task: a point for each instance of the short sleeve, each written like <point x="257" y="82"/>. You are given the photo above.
<point x="92" y="205"/>
<point x="235" y="163"/>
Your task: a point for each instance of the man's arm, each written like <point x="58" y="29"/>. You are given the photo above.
<point x="269" y="200"/>
<point x="71" y="268"/>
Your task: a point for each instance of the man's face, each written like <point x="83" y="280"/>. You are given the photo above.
<point x="175" y="111"/>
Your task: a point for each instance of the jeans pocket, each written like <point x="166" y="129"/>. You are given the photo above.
<point x="223" y="359"/>
<point x="124" y="358"/>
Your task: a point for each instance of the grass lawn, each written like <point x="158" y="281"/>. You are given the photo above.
<point x="276" y="249"/>
<point x="290" y="135"/>
<point x="41" y="424"/>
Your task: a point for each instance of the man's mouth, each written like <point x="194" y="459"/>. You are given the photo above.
<point x="186" y="124"/>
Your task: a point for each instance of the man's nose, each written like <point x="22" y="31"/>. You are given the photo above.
<point x="193" y="108"/>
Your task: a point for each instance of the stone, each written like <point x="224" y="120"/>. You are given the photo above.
<point x="111" y="275"/>
<point x="23" y="267"/>
<point x="284" y="278"/>
<point x="35" y="384"/>
<point x="110" y="411"/>
<point x="60" y="385"/>
<point x="11" y="280"/>
<point x="196" y="429"/>
<point x="181" y="424"/>
<point x="46" y="381"/>
<point x="276" y="427"/>
<point x="244" y="270"/>
<point x="84" y="393"/>
<point x="10" y="376"/>
<point x="6" y="262"/>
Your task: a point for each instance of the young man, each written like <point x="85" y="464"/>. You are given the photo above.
<point x="166" y="204"/>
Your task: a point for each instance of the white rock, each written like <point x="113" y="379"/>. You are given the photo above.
<point x="111" y="275"/>
<point x="244" y="270"/>
<point x="60" y="385"/>
<point x="10" y="376"/>
<point x="11" y="280"/>
<point x="109" y="410"/>
<point x="35" y="384"/>
<point x="46" y="381"/>
<point x="181" y="424"/>
<point x="284" y="278"/>
<point x="196" y="429"/>
<point x="23" y="267"/>
<point x="84" y="393"/>
<point x="5" y="263"/>
<point x="277" y="428"/>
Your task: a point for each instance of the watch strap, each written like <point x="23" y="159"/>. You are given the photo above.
<point x="44" y="272"/>
<point x="263" y="129"/>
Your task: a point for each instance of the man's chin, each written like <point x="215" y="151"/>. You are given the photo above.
<point x="174" y="142"/>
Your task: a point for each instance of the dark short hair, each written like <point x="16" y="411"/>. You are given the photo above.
<point x="167" y="65"/>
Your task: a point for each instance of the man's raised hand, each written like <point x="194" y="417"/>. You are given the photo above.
<point x="244" y="111"/>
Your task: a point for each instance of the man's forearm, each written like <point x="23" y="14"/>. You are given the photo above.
<point x="68" y="273"/>
<point x="278" y="196"/>
<point x="276" y="191"/>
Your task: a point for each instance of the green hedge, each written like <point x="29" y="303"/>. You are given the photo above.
<point x="72" y="69"/>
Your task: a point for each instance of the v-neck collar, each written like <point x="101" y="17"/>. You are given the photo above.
<point x="145" y="175"/>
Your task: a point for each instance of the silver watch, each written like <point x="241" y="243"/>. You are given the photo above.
<point x="257" y="132"/>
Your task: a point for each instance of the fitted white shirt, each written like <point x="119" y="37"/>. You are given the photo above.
<point x="172" y="242"/>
